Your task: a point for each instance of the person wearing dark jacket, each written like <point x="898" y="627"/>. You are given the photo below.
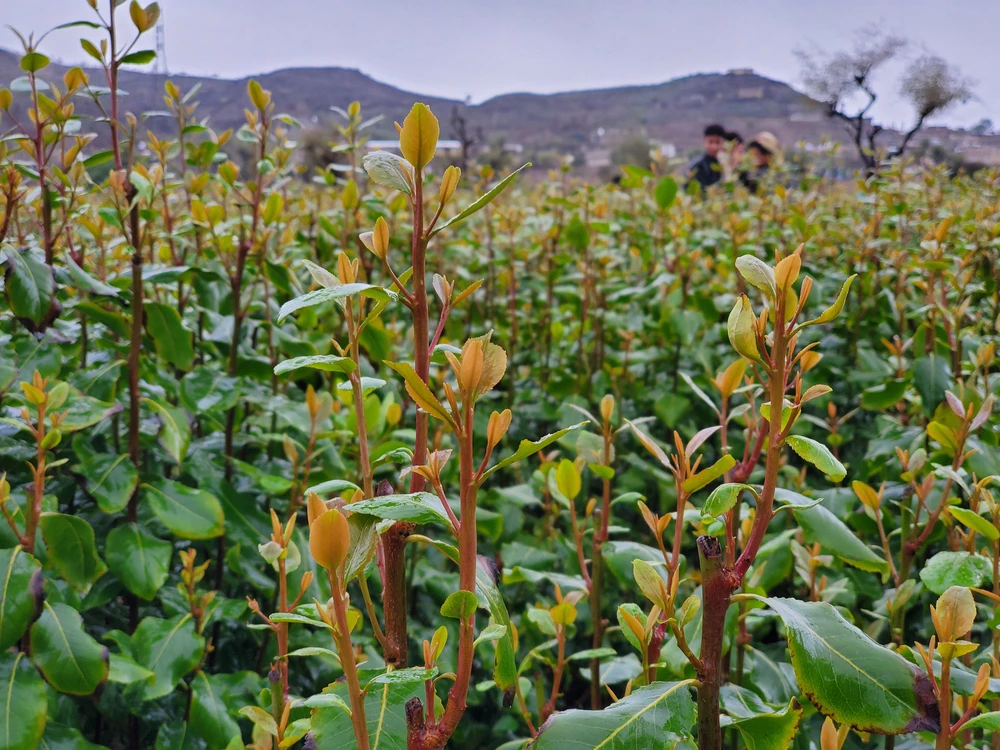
<point x="707" y="170"/>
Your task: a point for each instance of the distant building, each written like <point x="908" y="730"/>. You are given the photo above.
<point x="597" y="157"/>
<point x="443" y="146"/>
<point x="755" y="92"/>
<point x="739" y="72"/>
<point x="667" y="150"/>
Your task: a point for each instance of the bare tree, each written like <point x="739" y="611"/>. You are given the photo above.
<point x="468" y="140"/>
<point x="840" y="79"/>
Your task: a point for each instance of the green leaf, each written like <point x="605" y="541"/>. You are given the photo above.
<point x="124" y="670"/>
<point x="577" y="234"/>
<point x="101" y="157"/>
<point x="205" y="390"/>
<point x="71" y="661"/>
<point x="530" y="448"/>
<point x="364" y="543"/>
<point x="593" y="653"/>
<point x="818" y="455"/>
<point x="325" y="362"/>
<point x="619" y="554"/>
<point x="482" y="201"/>
<point x="852" y="678"/>
<point x="175" y="433"/>
<point x="173" y="341"/>
<point x="111" y="480"/>
<point x="932" y="378"/>
<point x="24" y="703"/>
<point x="820" y="525"/>
<point x="83" y="411"/>
<point x="169" y="648"/>
<point x="20" y="593"/>
<point x="407" y="675"/>
<point x="209" y="717"/>
<point x="975" y="522"/>
<point x="724" y="498"/>
<point x="72" y="549"/>
<point x="332" y="487"/>
<point x="33" y="62"/>
<point x="419" y="507"/>
<point x="187" y="512"/>
<point x="138" y="559"/>
<point x="333" y="293"/>
<point x="883" y="396"/>
<point x="421" y="393"/>
<point x="988" y="721"/>
<point x="835" y="309"/>
<point x="709" y="475"/>
<point x="66" y="738"/>
<point x="142" y="57"/>
<point x="459" y="605"/>
<point x="656" y="715"/>
<point x="178" y="736"/>
<point x="389" y="170"/>
<point x="113" y="321"/>
<point x="488" y="591"/>
<point x="760" y="726"/>
<point x="385" y="712"/>
<point x="299" y="619"/>
<point x="29" y="286"/>
<point x="86" y="282"/>
<point x="666" y="191"/>
<point x="947" y="569"/>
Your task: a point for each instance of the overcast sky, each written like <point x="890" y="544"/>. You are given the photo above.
<point x="481" y="48"/>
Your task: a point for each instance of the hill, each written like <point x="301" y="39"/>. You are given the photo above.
<point x="671" y="112"/>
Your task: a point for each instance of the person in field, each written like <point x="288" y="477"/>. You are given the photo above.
<point x="707" y="170"/>
<point x="763" y="150"/>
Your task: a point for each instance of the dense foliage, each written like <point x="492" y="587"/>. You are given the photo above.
<point x="389" y="456"/>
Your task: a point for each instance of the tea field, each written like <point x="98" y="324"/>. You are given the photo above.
<point x="391" y="456"/>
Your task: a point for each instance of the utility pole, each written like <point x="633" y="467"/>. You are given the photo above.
<point x="160" y="65"/>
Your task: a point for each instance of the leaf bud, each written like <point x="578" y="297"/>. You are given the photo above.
<point x="329" y="539"/>
<point x="315" y="507"/>
<point x="786" y="273"/>
<point x="449" y="181"/>
<point x="954" y="614"/>
<point x="258" y="95"/>
<point x="497" y="427"/>
<point x="471" y="366"/>
<point x="607" y="407"/>
<point x="742" y="329"/>
<point x="345" y="271"/>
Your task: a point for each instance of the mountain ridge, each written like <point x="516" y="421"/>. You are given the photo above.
<point x="673" y="111"/>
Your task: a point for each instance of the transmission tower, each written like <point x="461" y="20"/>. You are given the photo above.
<point x="160" y="66"/>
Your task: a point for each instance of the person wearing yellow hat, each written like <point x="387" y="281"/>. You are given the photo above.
<point x="764" y="149"/>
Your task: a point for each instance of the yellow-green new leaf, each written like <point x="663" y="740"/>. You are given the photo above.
<point x="837" y="307"/>
<point x="758" y="273"/>
<point x="975" y="522"/>
<point x="420" y="393"/>
<point x="419" y="137"/>
<point x="818" y="455"/>
<point x="568" y="479"/>
<point x="707" y="476"/>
